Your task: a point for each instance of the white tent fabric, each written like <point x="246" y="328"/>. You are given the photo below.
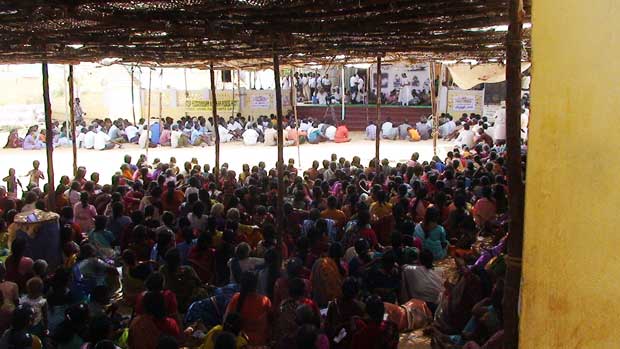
<point x="467" y="76"/>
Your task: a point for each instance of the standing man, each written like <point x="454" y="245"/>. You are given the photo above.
<point x="499" y="127"/>
<point x="79" y="113"/>
<point x="353" y="82"/>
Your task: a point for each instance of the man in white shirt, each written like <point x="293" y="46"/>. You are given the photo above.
<point x="353" y="82"/>
<point x="89" y="138"/>
<point x="359" y="98"/>
<point x="466" y="136"/>
<point x="326" y="83"/>
<point x="250" y="137"/>
<point x="304" y="126"/>
<point x="177" y="138"/>
<point x="312" y="84"/>
<point x="447" y="128"/>
<point x="102" y="141"/>
<point x="388" y="131"/>
<point x="499" y="127"/>
<point x="271" y="136"/>
<point x="132" y="133"/>
<point x="330" y="132"/>
<point x="225" y="135"/>
<point x="371" y="131"/>
<point x="80" y="138"/>
<point x="143" y="141"/>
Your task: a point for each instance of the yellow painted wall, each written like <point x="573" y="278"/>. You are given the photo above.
<point x="571" y="269"/>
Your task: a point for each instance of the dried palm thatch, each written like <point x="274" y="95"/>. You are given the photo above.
<point x="248" y="32"/>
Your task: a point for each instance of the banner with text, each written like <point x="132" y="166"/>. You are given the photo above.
<point x="464" y="101"/>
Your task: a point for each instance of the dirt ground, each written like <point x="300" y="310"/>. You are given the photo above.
<point x="235" y="154"/>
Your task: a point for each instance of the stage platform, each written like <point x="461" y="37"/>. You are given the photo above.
<point x="358" y="115"/>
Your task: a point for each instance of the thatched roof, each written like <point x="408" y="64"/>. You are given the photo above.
<point x="248" y="32"/>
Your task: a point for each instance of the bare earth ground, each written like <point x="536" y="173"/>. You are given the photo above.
<point x="235" y="154"/>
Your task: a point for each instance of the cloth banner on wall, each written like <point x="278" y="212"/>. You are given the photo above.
<point x="463" y="101"/>
<point x="260" y="102"/>
<point x="467" y="76"/>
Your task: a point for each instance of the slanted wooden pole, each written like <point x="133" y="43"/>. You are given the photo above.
<point x="161" y="92"/>
<point x="186" y="92"/>
<point x="367" y="97"/>
<point x="434" y="107"/>
<point x="342" y="86"/>
<point x="239" y="88"/>
<point x="516" y="187"/>
<point x="294" y="107"/>
<point x="216" y="131"/>
<point x="49" y="140"/>
<point x="148" y="115"/>
<point x="232" y="82"/>
<point x="378" y="137"/>
<point x="133" y="99"/>
<point x="72" y="115"/>
<point x="280" y="164"/>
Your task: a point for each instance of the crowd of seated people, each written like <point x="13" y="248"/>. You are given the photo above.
<point x="185" y="132"/>
<point x="199" y="261"/>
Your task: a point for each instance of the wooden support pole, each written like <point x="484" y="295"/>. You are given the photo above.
<point x="378" y="135"/>
<point x="232" y="82"/>
<point x="367" y="97"/>
<point x="434" y="107"/>
<point x="148" y="115"/>
<point x="516" y="187"/>
<point x="280" y="164"/>
<point x="49" y="140"/>
<point x="161" y="92"/>
<point x="216" y="131"/>
<point x="186" y="92"/>
<point x="72" y="115"/>
<point x="294" y="107"/>
<point x="133" y="99"/>
<point x="342" y="85"/>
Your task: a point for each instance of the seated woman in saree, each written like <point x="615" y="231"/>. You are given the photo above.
<point x="146" y="329"/>
<point x="14" y="141"/>
<point x="327" y="276"/>
<point x="32" y="142"/>
<point x="255" y="311"/>
<point x="180" y="279"/>
<point x="432" y="234"/>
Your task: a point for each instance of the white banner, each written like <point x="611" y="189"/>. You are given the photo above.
<point x="260" y="101"/>
<point x="464" y="103"/>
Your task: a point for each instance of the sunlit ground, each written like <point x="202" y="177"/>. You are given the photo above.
<point x="235" y="154"/>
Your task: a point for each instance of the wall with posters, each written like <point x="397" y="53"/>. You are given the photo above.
<point x="391" y="77"/>
<point x="465" y="101"/>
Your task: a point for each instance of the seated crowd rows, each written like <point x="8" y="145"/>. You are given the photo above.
<point x="167" y="255"/>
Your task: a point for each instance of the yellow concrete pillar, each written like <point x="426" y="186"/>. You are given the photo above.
<point x="571" y="265"/>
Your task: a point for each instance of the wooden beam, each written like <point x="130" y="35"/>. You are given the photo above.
<point x="49" y="140"/>
<point x="516" y="187"/>
<point x="133" y="105"/>
<point x="293" y="100"/>
<point x="378" y="137"/>
<point x="148" y="115"/>
<point x="216" y="131"/>
<point x="72" y="113"/>
<point x="280" y="164"/>
<point x="434" y="113"/>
